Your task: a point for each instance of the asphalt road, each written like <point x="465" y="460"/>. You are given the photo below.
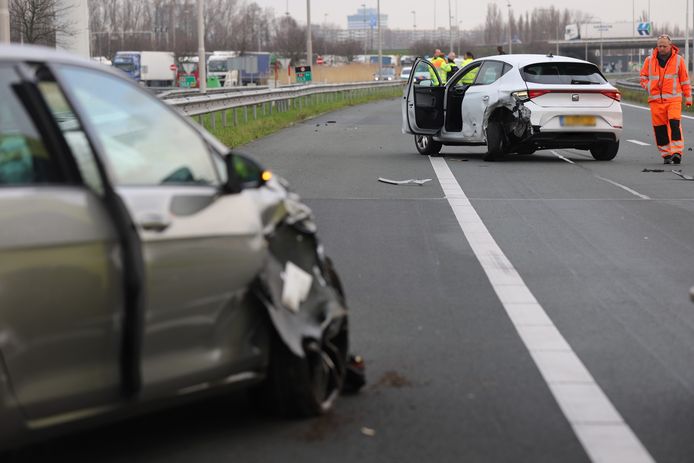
<point x="606" y="249"/>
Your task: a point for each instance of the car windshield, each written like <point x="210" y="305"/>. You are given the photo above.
<point x="217" y="66"/>
<point x="563" y="73"/>
<point x="406" y="71"/>
<point x="127" y="66"/>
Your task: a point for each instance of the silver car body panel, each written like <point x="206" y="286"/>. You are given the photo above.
<point x="62" y="299"/>
<point x="198" y="266"/>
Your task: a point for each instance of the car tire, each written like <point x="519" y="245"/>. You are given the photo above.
<point x="309" y="386"/>
<point x="496" y="142"/>
<point x="605" y="151"/>
<point x="526" y="150"/>
<point x="426" y="145"/>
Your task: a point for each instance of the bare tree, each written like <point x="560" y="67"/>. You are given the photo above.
<point x="290" y="39"/>
<point x="39" y="21"/>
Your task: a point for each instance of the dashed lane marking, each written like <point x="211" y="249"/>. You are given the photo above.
<point x="637" y="142"/>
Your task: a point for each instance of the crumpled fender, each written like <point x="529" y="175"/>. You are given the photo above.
<point x="322" y="305"/>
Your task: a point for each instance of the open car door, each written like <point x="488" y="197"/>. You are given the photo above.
<point x="422" y="110"/>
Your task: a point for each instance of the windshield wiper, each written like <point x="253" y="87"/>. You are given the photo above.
<point x="582" y="82"/>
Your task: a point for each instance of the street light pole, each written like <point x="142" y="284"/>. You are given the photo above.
<point x="4" y="21"/>
<point x="510" y="41"/>
<point x="202" y="65"/>
<point x="450" y="28"/>
<point x="686" y="34"/>
<point x="363" y="26"/>
<point x="309" y="43"/>
<point x="380" y="48"/>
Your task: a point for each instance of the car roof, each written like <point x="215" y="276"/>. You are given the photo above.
<point x="37" y="53"/>
<point x="522" y="60"/>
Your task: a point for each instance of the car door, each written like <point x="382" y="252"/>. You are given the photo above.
<point x="478" y="97"/>
<point x="61" y="278"/>
<point x="201" y="248"/>
<point x="422" y="105"/>
<point x="456" y="89"/>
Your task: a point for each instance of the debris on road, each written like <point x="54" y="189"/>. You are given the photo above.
<point x="652" y="170"/>
<point x="680" y="174"/>
<point x="332" y="122"/>
<point x="368" y="431"/>
<point x="457" y="159"/>
<point x="355" y="375"/>
<point x="414" y="181"/>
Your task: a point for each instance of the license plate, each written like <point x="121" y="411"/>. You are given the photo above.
<point x="577" y="121"/>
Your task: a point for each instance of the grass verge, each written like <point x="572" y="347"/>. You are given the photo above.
<point x="244" y="128"/>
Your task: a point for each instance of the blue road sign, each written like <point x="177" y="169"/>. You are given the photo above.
<point x="644" y="28"/>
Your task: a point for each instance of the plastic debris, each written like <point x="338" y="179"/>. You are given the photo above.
<point x="682" y="175"/>
<point x="413" y="181"/>
<point x="652" y="170"/>
<point x="355" y="375"/>
<point x="368" y="431"/>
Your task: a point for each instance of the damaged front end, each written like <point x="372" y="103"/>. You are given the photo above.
<point x="514" y="118"/>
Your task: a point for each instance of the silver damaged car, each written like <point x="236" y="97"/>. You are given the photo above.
<point x="140" y="261"/>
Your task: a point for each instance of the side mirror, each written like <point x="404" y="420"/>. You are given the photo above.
<point x="243" y="173"/>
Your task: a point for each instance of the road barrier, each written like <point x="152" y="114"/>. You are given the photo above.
<point x="278" y="99"/>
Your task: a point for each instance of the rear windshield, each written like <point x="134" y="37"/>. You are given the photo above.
<point x="563" y="73"/>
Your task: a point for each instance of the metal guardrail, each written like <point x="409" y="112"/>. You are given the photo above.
<point x="281" y="97"/>
<point x="165" y="93"/>
<point x="630" y="85"/>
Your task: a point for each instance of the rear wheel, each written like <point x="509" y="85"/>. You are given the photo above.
<point x="605" y="151"/>
<point x="309" y="386"/>
<point x="496" y="141"/>
<point x="426" y="145"/>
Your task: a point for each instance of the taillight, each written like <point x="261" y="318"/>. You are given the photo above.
<point x="612" y="94"/>
<point x="535" y="93"/>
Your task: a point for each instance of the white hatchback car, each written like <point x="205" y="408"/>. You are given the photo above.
<point x="515" y="104"/>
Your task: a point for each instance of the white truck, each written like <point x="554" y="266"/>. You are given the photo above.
<point x="218" y="65"/>
<point x="151" y="68"/>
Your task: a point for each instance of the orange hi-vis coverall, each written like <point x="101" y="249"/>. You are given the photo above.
<point x="665" y="86"/>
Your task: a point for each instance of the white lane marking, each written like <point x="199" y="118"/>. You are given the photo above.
<point x="625" y="188"/>
<point x="562" y="157"/>
<point x="646" y="108"/>
<point x="637" y="142"/>
<point x="595" y="421"/>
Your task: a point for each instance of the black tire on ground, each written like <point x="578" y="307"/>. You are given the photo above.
<point x="426" y="145"/>
<point x="496" y="141"/>
<point x="525" y="150"/>
<point x="305" y="387"/>
<point x="605" y="151"/>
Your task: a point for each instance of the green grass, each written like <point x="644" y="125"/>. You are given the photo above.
<point x="243" y="131"/>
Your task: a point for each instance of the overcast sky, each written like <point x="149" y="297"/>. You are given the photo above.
<point x="472" y="13"/>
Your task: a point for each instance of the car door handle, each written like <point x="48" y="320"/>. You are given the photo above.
<point x="153" y="222"/>
<point x="485" y="98"/>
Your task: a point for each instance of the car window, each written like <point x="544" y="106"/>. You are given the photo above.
<point x="490" y="72"/>
<point x="24" y="159"/>
<point x="145" y="143"/>
<point x="468" y="77"/>
<point x="425" y="75"/>
<point x="563" y="73"/>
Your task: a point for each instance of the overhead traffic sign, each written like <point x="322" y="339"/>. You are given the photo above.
<point x="644" y="29"/>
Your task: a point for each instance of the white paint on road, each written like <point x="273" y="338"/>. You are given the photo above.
<point x="562" y="157"/>
<point x="646" y="108"/>
<point x="623" y="187"/>
<point x="637" y="142"/>
<point x="597" y="424"/>
<point x="612" y="182"/>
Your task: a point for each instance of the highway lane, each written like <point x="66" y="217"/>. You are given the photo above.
<point x="449" y="377"/>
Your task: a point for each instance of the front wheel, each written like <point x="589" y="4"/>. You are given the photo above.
<point x="496" y="141"/>
<point x="605" y="151"/>
<point x="309" y="386"/>
<point x="426" y="145"/>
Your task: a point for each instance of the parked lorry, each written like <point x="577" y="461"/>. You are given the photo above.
<point x="151" y="68"/>
<point x="253" y="67"/>
<point x="219" y="65"/>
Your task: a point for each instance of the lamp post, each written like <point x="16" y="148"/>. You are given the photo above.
<point x="414" y="25"/>
<point x="380" y="48"/>
<point x="450" y="28"/>
<point x="363" y="26"/>
<point x="510" y="41"/>
<point x="309" y="43"/>
<point x="202" y="68"/>
<point x="4" y="21"/>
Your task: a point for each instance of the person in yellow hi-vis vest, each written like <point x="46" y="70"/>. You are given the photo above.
<point x="441" y="66"/>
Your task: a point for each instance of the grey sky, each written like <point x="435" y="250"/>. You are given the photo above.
<point x="472" y="13"/>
